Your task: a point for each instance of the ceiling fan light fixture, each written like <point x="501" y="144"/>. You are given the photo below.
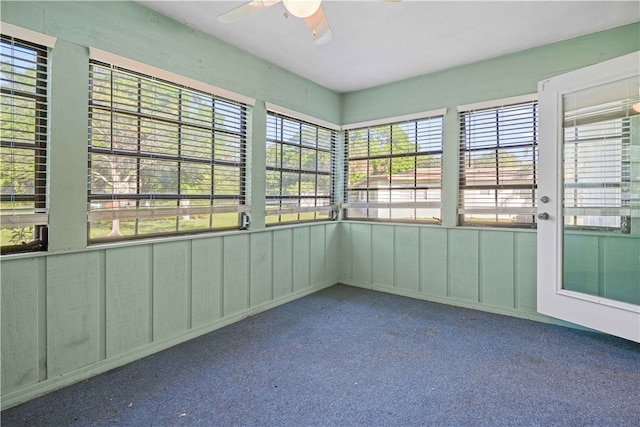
<point x="302" y="8"/>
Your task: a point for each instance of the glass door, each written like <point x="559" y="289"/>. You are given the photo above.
<point x="589" y="206"/>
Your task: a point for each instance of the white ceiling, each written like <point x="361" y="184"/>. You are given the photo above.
<point x="377" y="42"/>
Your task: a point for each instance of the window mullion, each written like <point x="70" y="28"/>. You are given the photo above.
<point x="180" y="166"/>
<point x="299" y="168"/>
<point x="138" y="152"/>
<point x="212" y="166"/>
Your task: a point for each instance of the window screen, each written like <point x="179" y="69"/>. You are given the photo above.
<point x="23" y="148"/>
<point x="163" y="158"/>
<point x="498" y="165"/>
<point x="300" y="170"/>
<point x="394" y="171"/>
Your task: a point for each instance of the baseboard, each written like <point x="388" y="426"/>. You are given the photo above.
<point x="529" y="315"/>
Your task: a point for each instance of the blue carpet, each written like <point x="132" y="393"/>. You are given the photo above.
<point x="347" y="356"/>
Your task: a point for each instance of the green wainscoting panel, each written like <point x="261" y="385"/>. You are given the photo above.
<point x="581" y="263"/>
<point x="407" y="255"/>
<point x="482" y="268"/>
<point x="66" y="317"/>
<point x="526" y="262"/>
<point x="282" y="262"/>
<point x="317" y="248"/>
<point x="261" y="268"/>
<point x="236" y="274"/>
<point x="21" y="291"/>
<point x="463" y="264"/>
<point x="361" y="253"/>
<point x="206" y="281"/>
<point x="433" y="261"/>
<point x="332" y="252"/>
<point x="382" y="252"/>
<point x="621" y="268"/>
<point x="171" y="289"/>
<point x="128" y="290"/>
<point x="74" y="338"/>
<point x="301" y="261"/>
<point x="497" y="268"/>
<point x="606" y="265"/>
<point x="345" y="261"/>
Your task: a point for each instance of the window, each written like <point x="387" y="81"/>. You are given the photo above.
<point x="498" y="165"/>
<point x="23" y="148"/>
<point x="598" y="157"/>
<point x="394" y="171"/>
<point x="300" y="171"/>
<point x="163" y="158"/>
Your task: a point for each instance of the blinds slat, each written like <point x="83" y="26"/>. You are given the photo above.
<point x="299" y="209"/>
<point x="128" y="213"/>
<point x="24" y="219"/>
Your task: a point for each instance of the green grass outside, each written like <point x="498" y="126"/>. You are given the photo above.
<point x="151" y="226"/>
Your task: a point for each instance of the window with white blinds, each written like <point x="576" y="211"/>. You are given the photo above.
<point x="23" y="145"/>
<point x="163" y="158"/>
<point x="498" y="165"/>
<point x="394" y="171"/>
<point x="600" y="192"/>
<point x="300" y="170"/>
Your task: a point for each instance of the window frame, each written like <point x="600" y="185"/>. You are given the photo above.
<point x="414" y="120"/>
<point x="178" y="212"/>
<point x="499" y="107"/>
<point x="37" y="217"/>
<point x="324" y="211"/>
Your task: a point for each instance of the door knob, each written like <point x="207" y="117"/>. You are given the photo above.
<point x="544" y="199"/>
<point x="543" y="216"/>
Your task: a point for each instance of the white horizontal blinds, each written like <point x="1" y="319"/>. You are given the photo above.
<point x="394" y="171"/>
<point x="23" y="141"/>
<point x="163" y="158"/>
<point x="600" y="191"/>
<point x="300" y="170"/>
<point x="498" y="165"/>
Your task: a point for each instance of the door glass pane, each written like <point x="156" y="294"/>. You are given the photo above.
<point x="601" y="200"/>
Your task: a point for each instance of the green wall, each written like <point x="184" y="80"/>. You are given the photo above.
<point x="613" y="260"/>
<point x="74" y="311"/>
<point x="491" y="270"/>
<point x="67" y="316"/>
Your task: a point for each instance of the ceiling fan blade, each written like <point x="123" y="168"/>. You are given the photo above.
<point x="319" y="27"/>
<point x="247" y="9"/>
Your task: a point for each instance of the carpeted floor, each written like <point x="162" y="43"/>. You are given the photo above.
<point x="347" y="356"/>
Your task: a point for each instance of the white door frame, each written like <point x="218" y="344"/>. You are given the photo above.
<point x="602" y="314"/>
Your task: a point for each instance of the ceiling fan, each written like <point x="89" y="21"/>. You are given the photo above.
<point x="309" y="10"/>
